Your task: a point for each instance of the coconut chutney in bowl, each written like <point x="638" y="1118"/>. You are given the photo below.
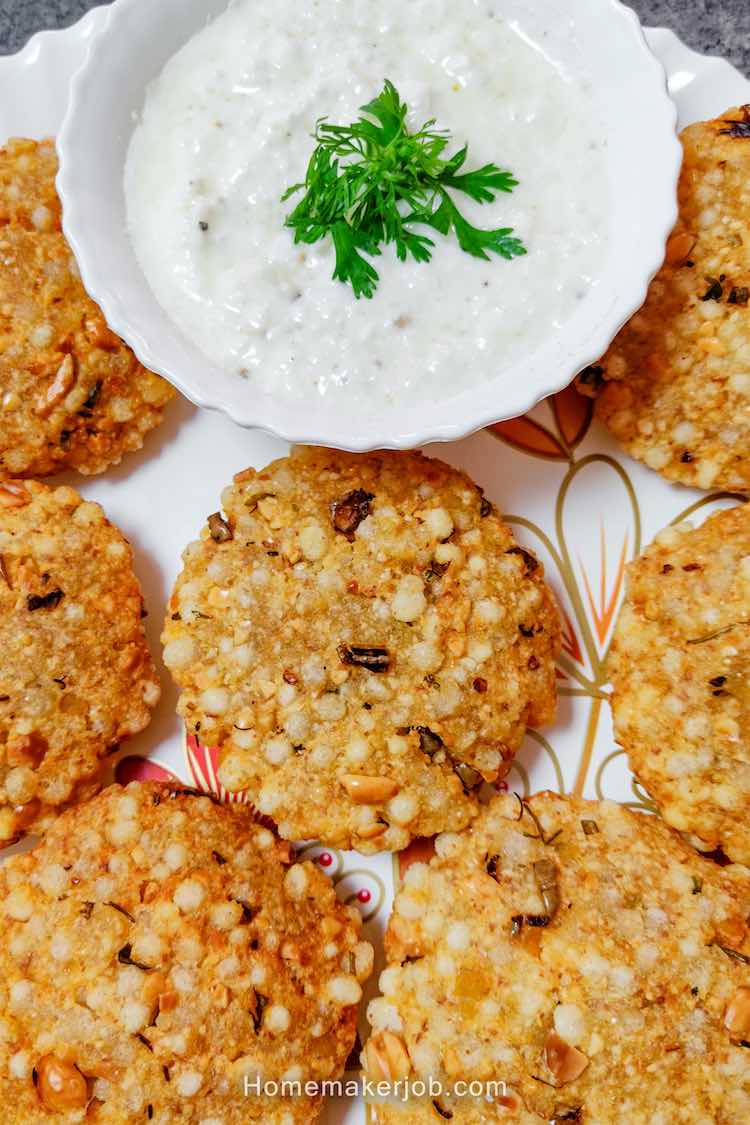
<point x="380" y="292"/>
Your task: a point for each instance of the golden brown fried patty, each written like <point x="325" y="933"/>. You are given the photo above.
<point x="76" y="675"/>
<point x="72" y="395"/>
<point x="27" y="185"/>
<point x="364" y="641"/>
<point x="155" y="950"/>
<point x="675" y="384"/>
<point x="680" y="667"/>
<point x="579" y="952"/>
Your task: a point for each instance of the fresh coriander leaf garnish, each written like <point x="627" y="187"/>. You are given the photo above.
<point x="371" y="182"/>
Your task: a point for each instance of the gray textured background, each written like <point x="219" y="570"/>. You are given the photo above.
<point x="716" y="26"/>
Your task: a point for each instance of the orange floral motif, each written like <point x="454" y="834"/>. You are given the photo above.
<point x="419" y="851"/>
<point x="592" y="484"/>
<point x="569" y="638"/>
<point x="571" y="416"/>
<point x="134" y="768"/>
<point x="529" y="436"/>
<point x="203" y="763"/>
<point x="603" y="609"/>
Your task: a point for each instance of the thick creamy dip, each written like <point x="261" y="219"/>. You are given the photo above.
<point x="226" y="128"/>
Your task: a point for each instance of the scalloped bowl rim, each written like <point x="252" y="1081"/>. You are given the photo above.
<point x="514" y="397"/>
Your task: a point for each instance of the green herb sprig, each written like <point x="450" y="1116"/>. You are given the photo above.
<point x="371" y="182"/>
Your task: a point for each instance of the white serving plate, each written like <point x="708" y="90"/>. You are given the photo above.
<point x="571" y="494"/>
<point x="600" y="41"/>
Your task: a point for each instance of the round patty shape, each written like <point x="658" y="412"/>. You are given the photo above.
<point x="157" y="949"/>
<point x="676" y="380"/>
<point x="73" y="395"/>
<point x="579" y="952"/>
<point x="680" y="669"/>
<point x="76" y="674"/>
<point x="364" y="641"/>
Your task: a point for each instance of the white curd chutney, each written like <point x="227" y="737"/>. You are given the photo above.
<point x="226" y="128"/>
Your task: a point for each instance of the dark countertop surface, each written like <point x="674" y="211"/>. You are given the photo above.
<point x="717" y="27"/>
